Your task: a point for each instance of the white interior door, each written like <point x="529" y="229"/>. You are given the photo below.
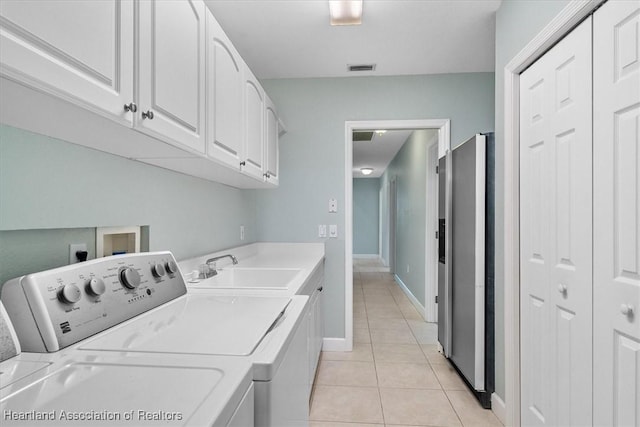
<point x="617" y="213"/>
<point x="556" y="234"/>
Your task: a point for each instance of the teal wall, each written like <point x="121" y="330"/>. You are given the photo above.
<point x="312" y="153"/>
<point x="53" y="193"/>
<point x="517" y="23"/>
<point x="409" y="169"/>
<point x="366" y="215"/>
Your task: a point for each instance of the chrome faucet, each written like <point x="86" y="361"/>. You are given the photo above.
<point x="234" y="260"/>
<point x="208" y="271"/>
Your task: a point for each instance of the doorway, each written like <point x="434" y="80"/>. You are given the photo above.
<point x="443" y="128"/>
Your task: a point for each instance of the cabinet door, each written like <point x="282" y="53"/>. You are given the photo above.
<point x="224" y="97"/>
<point x="319" y="327"/>
<point x="556" y="234"/>
<point x="90" y="63"/>
<point x="272" y="132"/>
<point x="253" y="126"/>
<point x="616" y="316"/>
<point x="171" y="81"/>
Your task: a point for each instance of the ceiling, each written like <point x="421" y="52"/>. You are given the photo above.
<point x="293" y="38"/>
<point x="378" y="152"/>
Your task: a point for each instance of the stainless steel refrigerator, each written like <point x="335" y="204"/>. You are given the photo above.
<point x="466" y="209"/>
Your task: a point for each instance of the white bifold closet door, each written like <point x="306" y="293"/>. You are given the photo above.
<point x="556" y="234"/>
<point x="616" y="161"/>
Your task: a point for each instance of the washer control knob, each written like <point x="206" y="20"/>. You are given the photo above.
<point x="130" y="278"/>
<point x="95" y="286"/>
<point x="158" y="270"/>
<point x="69" y="294"/>
<point x="172" y="267"/>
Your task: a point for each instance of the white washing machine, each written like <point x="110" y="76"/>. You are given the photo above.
<point x="176" y="331"/>
<point x="58" y="384"/>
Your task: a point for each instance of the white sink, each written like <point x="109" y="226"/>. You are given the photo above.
<point x="278" y="278"/>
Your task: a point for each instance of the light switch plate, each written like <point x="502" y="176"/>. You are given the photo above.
<point x="242" y="232"/>
<point x="322" y="230"/>
<point x="333" y="205"/>
<point x="333" y="231"/>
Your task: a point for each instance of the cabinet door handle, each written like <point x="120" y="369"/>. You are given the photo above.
<point x="130" y="107"/>
<point x="243" y="163"/>
<point x="147" y="115"/>
<point x="320" y="288"/>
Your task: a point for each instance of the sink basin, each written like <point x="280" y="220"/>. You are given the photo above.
<point x="278" y="278"/>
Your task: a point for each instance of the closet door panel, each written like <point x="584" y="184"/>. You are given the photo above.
<point x="617" y="214"/>
<point x="556" y="233"/>
<point x="535" y="248"/>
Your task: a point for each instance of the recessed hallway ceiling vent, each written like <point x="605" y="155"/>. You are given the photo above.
<point x="362" y="136"/>
<point x="362" y="67"/>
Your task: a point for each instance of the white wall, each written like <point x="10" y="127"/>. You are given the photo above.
<point x="312" y="153"/>
<point x="53" y="193"/>
<point x="409" y="168"/>
<point x="366" y="216"/>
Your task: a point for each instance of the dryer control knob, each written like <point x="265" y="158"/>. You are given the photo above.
<point x="172" y="267"/>
<point x="158" y="270"/>
<point x="95" y="287"/>
<point x="69" y="294"/>
<point x="130" y="278"/>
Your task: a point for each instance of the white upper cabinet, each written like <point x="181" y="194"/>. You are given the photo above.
<point x="171" y="81"/>
<point x="79" y="51"/>
<point x="272" y="130"/>
<point x="254" y="100"/>
<point x="224" y="97"/>
<point x="173" y="89"/>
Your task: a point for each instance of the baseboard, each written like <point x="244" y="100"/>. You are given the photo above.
<point x="499" y="409"/>
<point x="334" y="344"/>
<point x="366" y="256"/>
<point x="411" y="297"/>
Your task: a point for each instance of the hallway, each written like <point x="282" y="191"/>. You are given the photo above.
<point x="394" y="375"/>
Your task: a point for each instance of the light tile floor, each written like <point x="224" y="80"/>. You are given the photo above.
<point x="394" y="376"/>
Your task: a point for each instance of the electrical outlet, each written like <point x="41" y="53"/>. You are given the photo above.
<point x="333" y="206"/>
<point x="408" y="268"/>
<point x="242" y="232"/>
<point x="73" y="248"/>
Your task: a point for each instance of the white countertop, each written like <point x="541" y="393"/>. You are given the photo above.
<point x="307" y="257"/>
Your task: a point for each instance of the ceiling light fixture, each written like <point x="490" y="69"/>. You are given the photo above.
<point x="380" y="132"/>
<point x="366" y="171"/>
<point x="345" y="12"/>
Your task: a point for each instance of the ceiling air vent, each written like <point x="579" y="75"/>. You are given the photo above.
<point x="362" y="67"/>
<point x="362" y="136"/>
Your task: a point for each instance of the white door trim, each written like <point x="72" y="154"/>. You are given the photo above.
<point x="444" y="134"/>
<point x="564" y="22"/>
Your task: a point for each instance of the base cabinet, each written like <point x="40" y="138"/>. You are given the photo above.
<point x="314" y="289"/>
